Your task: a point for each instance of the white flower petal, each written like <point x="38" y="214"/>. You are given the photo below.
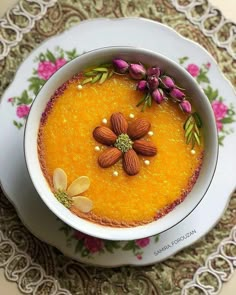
<point x="78" y="186"/>
<point x="84" y="204"/>
<point x="59" y="179"/>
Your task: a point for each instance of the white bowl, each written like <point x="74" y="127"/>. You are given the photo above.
<point x="201" y="104"/>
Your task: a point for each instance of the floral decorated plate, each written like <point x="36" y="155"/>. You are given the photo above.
<point x="14" y="108"/>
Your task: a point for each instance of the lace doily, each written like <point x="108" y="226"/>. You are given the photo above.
<point x="219" y="265"/>
<point x="31" y="277"/>
<point x="211" y="22"/>
<point x="20" y="20"/>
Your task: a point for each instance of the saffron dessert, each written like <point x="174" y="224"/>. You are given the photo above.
<point x="120" y="144"/>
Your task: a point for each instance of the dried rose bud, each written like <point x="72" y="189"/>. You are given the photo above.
<point x="158" y="95"/>
<point x="120" y="65"/>
<point x="142" y="85"/>
<point x="167" y="83"/>
<point x="154" y="71"/>
<point x="152" y="82"/>
<point x="137" y="71"/>
<point x="186" y="106"/>
<point x="177" y="94"/>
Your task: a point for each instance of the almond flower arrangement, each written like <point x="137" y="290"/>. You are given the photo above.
<point x="124" y="141"/>
<point x="156" y="86"/>
<point x="69" y="196"/>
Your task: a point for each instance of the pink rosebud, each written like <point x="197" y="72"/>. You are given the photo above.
<point x="137" y="71"/>
<point x="167" y="83"/>
<point x="193" y="70"/>
<point x="120" y="65"/>
<point x="93" y="244"/>
<point x="22" y="111"/>
<point x="60" y="62"/>
<point x="142" y="85"/>
<point x="46" y="69"/>
<point x="142" y="243"/>
<point x="158" y="95"/>
<point x="154" y="71"/>
<point x="186" y="106"/>
<point x="177" y="94"/>
<point x="152" y="82"/>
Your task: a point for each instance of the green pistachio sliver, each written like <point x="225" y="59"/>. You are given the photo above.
<point x="197" y="138"/>
<point x="107" y="65"/>
<point x="63" y="198"/>
<point x="89" y="74"/>
<point x="149" y="101"/>
<point x="197" y="120"/>
<point x="189" y="138"/>
<point x="103" y="78"/>
<point x="144" y="106"/>
<point x="142" y="100"/>
<point x="96" y="78"/>
<point x="103" y="70"/>
<point x="87" y="81"/>
<point x="110" y="74"/>
<point x="197" y="130"/>
<point x="187" y="122"/>
<point x="188" y="131"/>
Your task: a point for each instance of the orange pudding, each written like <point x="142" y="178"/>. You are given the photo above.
<point x="66" y="141"/>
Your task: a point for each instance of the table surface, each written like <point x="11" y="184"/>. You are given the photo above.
<point x="227" y="7"/>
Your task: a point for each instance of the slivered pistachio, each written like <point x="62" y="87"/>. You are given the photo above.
<point x="188" y="121"/>
<point x="197" y="138"/>
<point x="96" y="78"/>
<point x="110" y="74"/>
<point x="87" y="81"/>
<point x="103" y="78"/>
<point x="190" y="128"/>
<point x="100" y="69"/>
<point x="197" y="119"/>
<point x="89" y="74"/>
<point x="141" y="100"/>
<point x="149" y="100"/>
<point x="63" y="198"/>
<point x="197" y="130"/>
<point x="189" y="137"/>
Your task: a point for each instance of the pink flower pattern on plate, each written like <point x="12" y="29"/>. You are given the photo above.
<point x="46" y="69"/>
<point x="220" y="109"/>
<point x="142" y="243"/>
<point x="193" y="70"/>
<point x="60" y="62"/>
<point x="93" y="244"/>
<point x="22" y="111"/>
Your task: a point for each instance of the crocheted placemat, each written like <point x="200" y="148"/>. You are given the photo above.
<point x="39" y="268"/>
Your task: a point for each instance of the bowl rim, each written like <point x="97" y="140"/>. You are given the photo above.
<point x="121" y="236"/>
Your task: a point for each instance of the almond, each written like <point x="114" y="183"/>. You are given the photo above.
<point x="59" y="179"/>
<point x="119" y="123"/>
<point x="145" y="148"/>
<point x="84" y="204"/>
<point x="131" y="163"/>
<point x="109" y="157"/>
<point x="104" y="135"/>
<point x="138" y="128"/>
